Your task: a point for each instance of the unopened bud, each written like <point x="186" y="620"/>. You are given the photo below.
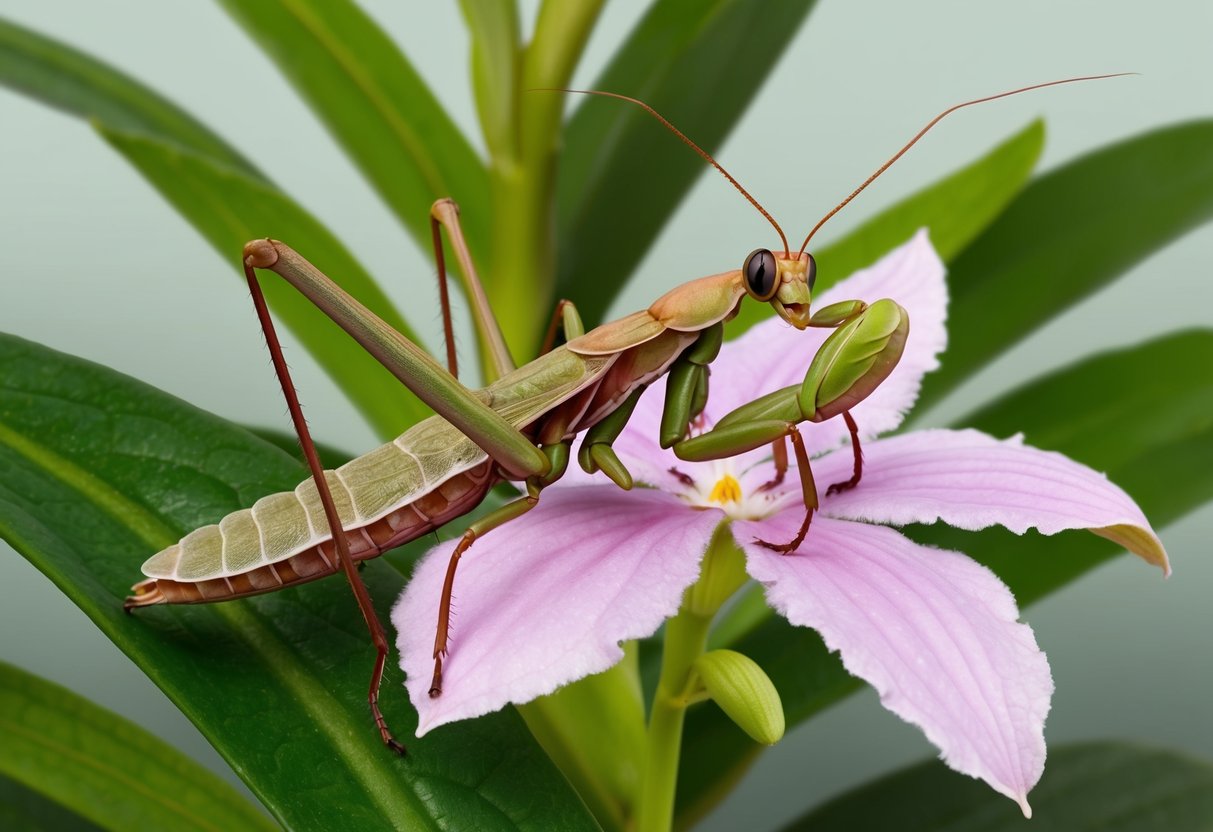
<point x="744" y="692"/>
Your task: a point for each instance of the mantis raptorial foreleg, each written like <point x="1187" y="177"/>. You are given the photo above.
<point x="852" y="362"/>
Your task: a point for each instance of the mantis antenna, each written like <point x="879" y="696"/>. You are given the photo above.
<point x="707" y="157"/>
<point x="931" y="124"/>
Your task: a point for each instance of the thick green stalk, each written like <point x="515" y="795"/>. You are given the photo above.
<point x="523" y="179"/>
<point x="686" y="636"/>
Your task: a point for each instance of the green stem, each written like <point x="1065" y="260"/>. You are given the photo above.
<point x="686" y="635"/>
<point x="523" y="174"/>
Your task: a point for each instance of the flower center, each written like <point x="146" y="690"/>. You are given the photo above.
<point x="727" y="490"/>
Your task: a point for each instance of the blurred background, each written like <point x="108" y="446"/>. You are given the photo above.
<point x="94" y="263"/>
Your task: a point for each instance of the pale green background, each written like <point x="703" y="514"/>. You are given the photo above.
<point x="93" y="262"/>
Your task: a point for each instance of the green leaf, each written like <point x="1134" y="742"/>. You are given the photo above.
<point x="229" y="208"/>
<point x="65" y="79"/>
<point x="494" y="30"/>
<point x="1101" y="786"/>
<point x="107" y="769"/>
<point x="1161" y="459"/>
<point x="956" y="209"/>
<point x="24" y="810"/>
<point x="697" y="63"/>
<point x="101" y="471"/>
<point x="227" y="200"/>
<point x="376" y="105"/>
<point x="1068" y="234"/>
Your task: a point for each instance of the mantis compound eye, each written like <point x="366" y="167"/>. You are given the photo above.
<point x="811" y="277"/>
<point x="761" y="274"/>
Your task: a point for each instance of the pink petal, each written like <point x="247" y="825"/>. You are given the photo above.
<point x="545" y="599"/>
<point x="772" y="354"/>
<point x="934" y="632"/>
<point x="971" y="480"/>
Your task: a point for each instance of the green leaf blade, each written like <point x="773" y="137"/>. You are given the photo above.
<point x="1071" y="232"/>
<point x="1087" y="786"/>
<point x="229" y="208"/>
<point x="107" y="769"/>
<point x="24" y="810"/>
<point x="100" y="471"/>
<point x="376" y="105"/>
<point x="69" y="80"/>
<point x="222" y="195"/>
<point x="679" y="60"/>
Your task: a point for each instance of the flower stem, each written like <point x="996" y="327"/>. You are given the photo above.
<point x="686" y="635"/>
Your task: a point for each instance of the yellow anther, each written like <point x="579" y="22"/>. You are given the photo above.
<point x="727" y="490"/>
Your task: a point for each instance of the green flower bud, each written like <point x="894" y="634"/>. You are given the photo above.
<point x="744" y="692"/>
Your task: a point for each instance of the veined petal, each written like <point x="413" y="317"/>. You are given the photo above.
<point x="546" y="598"/>
<point x="773" y="355"/>
<point x="935" y="633"/>
<point x="971" y="480"/>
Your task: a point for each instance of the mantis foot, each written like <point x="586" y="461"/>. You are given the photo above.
<point x="436" y="681"/>
<point x="840" y="487"/>
<point x="791" y="546"/>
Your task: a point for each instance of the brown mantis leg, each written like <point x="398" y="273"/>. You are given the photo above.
<point x="485" y="524"/>
<point x="808" y="489"/>
<point x="857" y="475"/>
<point x="779" y="453"/>
<point x="445" y="213"/>
<point x="566" y="316"/>
<point x="378" y="637"/>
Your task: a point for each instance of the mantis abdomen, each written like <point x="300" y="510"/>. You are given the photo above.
<point x="398" y="492"/>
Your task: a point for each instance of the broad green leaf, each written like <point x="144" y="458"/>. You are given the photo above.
<point x="229" y="208"/>
<point x="222" y="195"/>
<point x="1087" y="787"/>
<point x="24" y="810"/>
<point x="1071" y="232"/>
<point x="1161" y="459"/>
<point x="100" y="471"/>
<point x="956" y="209"/>
<point x="375" y="104"/>
<point x="65" y="79"/>
<point x="104" y="768"/>
<point x="699" y="64"/>
<point x="494" y="29"/>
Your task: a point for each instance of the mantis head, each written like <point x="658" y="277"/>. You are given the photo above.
<point x="784" y="282"/>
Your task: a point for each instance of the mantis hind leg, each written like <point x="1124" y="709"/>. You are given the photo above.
<point x="340" y="543"/>
<point x="445" y="214"/>
<point x="485" y="524"/>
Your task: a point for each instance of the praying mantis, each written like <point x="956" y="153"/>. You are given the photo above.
<point x="521" y="427"/>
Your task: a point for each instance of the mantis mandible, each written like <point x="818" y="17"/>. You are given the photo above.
<point x="521" y="427"/>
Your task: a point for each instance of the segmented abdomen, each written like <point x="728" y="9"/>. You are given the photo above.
<point x="397" y="492"/>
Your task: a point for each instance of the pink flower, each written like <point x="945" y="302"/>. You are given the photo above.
<point x="547" y="598"/>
